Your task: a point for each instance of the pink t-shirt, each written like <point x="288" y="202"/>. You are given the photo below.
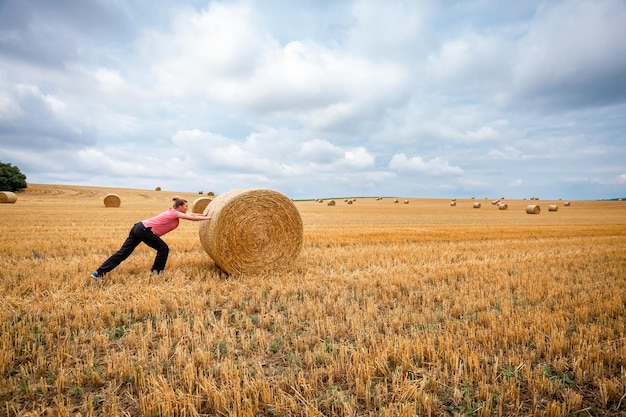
<point x="163" y="223"/>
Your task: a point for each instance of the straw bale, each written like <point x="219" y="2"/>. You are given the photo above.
<point x="157" y="189"/>
<point x="349" y="201"/>
<point x="112" y="200"/>
<point x="406" y="201"/>
<point x="395" y="200"/>
<point x="331" y="203"/>
<point x="453" y="203"/>
<point x="476" y="205"/>
<point x="553" y="207"/>
<point x="7" y="197"/>
<point x="199" y="204"/>
<point x="533" y="209"/>
<point x="567" y="203"/>
<point x="503" y="206"/>
<point x="252" y="231"/>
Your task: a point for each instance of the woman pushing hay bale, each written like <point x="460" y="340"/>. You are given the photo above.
<point x="112" y="200"/>
<point x="7" y="197"/>
<point x="200" y="204"/>
<point x="252" y="231"/>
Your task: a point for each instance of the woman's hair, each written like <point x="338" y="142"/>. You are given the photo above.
<point x="178" y="201"/>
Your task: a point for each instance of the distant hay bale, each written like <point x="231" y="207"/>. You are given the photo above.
<point x="533" y="209"/>
<point x="252" y="231"/>
<point x="157" y="189"/>
<point x="349" y="201"/>
<point x="199" y="204"/>
<point x="210" y="193"/>
<point x="452" y="203"/>
<point x="112" y="200"/>
<point x="7" y="197"/>
<point x="406" y="201"/>
<point x="567" y="203"/>
<point x="331" y="203"/>
<point x="395" y="200"/>
<point x="503" y="206"/>
<point x="476" y="205"/>
<point x="553" y="207"/>
<point x="200" y="192"/>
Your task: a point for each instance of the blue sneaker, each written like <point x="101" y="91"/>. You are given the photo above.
<point x="97" y="276"/>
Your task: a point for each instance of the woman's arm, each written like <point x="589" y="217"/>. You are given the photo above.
<point x="194" y="216"/>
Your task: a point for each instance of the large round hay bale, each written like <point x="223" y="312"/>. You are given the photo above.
<point x="157" y="189"/>
<point x="553" y="207"/>
<point x="503" y="206"/>
<point x="199" y="204"/>
<point x="112" y="200"/>
<point x="476" y="205"/>
<point x="567" y="204"/>
<point x="252" y="231"/>
<point x="452" y="203"/>
<point x="7" y="197"/>
<point x="331" y="203"/>
<point x="533" y="209"/>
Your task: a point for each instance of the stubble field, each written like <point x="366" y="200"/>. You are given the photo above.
<point x="390" y="310"/>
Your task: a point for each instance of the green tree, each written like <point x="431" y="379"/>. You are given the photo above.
<point x="11" y="178"/>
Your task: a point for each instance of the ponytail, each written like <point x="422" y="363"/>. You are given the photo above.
<point x="178" y="201"/>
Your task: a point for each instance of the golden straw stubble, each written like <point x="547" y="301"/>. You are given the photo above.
<point x="252" y="231"/>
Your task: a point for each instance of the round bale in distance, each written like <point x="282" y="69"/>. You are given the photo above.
<point x="199" y="204"/>
<point x="452" y="203"/>
<point x="553" y="207"/>
<point x="331" y="203"/>
<point x="252" y="231"/>
<point x="112" y="200"/>
<point x="7" y="197"/>
<point x="503" y="206"/>
<point x="476" y="205"/>
<point x="533" y="209"/>
<point x="567" y="203"/>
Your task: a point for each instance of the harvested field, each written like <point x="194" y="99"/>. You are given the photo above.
<point x="390" y="310"/>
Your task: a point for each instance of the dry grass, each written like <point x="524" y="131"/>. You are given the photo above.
<point x="393" y="310"/>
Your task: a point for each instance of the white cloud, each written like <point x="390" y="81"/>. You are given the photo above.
<point x="508" y="152"/>
<point x="436" y="166"/>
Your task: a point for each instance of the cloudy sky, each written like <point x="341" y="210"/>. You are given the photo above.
<point x="318" y="98"/>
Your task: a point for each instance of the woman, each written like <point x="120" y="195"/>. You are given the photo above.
<point x="149" y="231"/>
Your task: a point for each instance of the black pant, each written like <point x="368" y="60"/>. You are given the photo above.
<point x="138" y="233"/>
